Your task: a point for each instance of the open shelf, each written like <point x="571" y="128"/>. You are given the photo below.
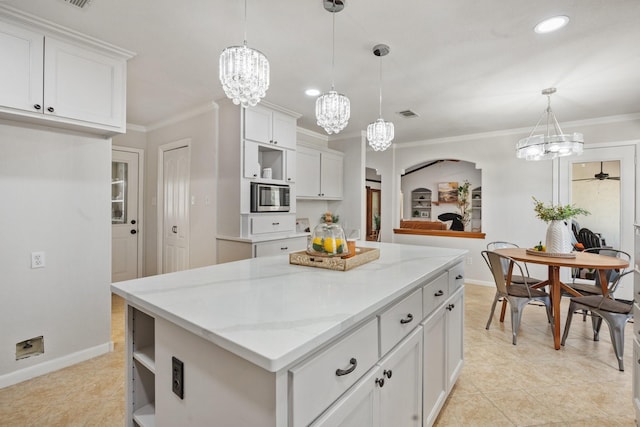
<point x="145" y="416"/>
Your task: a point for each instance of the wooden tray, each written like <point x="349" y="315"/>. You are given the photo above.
<point x="551" y="254"/>
<point x="362" y="256"/>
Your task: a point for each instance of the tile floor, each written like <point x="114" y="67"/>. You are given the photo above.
<point x="500" y="385"/>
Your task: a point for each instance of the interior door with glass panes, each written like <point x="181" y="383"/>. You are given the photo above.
<point x="124" y="215"/>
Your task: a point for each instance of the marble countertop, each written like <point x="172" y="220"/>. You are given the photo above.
<point x="272" y="313"/>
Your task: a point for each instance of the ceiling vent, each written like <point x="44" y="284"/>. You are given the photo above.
<point x="78" y="3"/>
<point x="407" y="114"/>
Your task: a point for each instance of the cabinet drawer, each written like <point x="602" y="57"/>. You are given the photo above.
<point x="400" y="319"/>
<point x="318" y="382"/>
<point x="272" y="224"/>
<point x="282" y="246"/>
<point x="456" y="278"/>
<point x="434" y="293"/>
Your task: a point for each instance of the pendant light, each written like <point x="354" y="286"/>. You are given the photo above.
<point x="380" y="133"/>
<point x="244" y="72"/>
<point x="332" y="108"/>
<point x="552" y="144"/>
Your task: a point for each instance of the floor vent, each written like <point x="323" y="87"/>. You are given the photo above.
<point x="408" y="114"/>
<point x="30" y="347"/>
<point x="78" y="3"/>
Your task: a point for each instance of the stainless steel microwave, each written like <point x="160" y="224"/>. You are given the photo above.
<point x="269" y="197"/>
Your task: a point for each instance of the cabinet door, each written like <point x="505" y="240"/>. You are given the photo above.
<point x="434" y="369"/>
<point x="357" y="408"/>
<point x="283" y="132"/>
<point x="331" y="176"/>
<point x="308" y="180"/>
<point x="401" y="394"/>
<point x="290" y="173"/>
<point x="455" y="347"/>
<point x="257" y="124"/>
<point x="21" y="70"/>
<point x="83" y="84"/>
<point x="251" y="168"/>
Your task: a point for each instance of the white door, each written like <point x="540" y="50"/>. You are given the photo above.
<point x="175" y="227"/>
<point x="626" y="155"/>
<point x="124" y="215"/>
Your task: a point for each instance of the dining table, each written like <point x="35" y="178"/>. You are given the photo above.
<point x="600" y="263"/>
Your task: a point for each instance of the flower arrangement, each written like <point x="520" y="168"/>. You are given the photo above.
<point x="549" y="213"/>
<point x="328" y="218"/>
<point x="463" y="202"/>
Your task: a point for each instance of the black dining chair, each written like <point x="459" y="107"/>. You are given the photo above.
<point x="615" y="312"/>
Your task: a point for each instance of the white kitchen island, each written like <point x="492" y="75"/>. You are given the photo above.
<point x="266" y="343"/>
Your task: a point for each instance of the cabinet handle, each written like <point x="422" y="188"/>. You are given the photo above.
<point x="284" y="249"/>
<point x="380" y="382"/>
<point x="37" y="106"/>
<point x="387" y="373"/>
<point x="275" y="223"/>
<point x="459" y="276"/>
<point x="275" y="142"/>
<point x="50" y="109"/>
<point x="255" y="175"/>
<point x="341" y="372"/>
<point x="288" y="179"/>
<point x="439" y="293"/>
<point x="451" y="307"/>
<point x="408" y="319"/>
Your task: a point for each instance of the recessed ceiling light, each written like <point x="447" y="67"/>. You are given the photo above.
<point x="551" y="24"/>
<point x="312" y="92"/>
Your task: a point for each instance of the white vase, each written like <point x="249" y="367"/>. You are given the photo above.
<point x="558" y="238"/>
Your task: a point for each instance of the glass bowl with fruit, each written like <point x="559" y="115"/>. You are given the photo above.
<point x="328" y="240"/>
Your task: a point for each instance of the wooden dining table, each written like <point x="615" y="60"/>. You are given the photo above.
<point x="600" y="263"/>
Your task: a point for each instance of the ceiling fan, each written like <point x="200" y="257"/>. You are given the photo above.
<point x="600" y="176"/>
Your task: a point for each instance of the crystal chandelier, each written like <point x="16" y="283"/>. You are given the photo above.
<point x="244" y="72"/>
<point x="552" y="144"/>
<point x="380" y="133"/>
<point x="332" y="108"/>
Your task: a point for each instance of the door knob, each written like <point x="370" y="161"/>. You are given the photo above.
<point x="134" y="231"/>
<point x="133" y="221"/>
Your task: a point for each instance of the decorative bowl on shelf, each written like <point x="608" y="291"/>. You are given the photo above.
<point x="328" y="240"/>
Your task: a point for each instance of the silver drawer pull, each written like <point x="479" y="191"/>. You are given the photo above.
<point x="439" y="293"/>
<point x="341" y="372"/>
<point x="408" y="319"/>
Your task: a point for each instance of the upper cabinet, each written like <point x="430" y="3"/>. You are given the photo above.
<point x="52" y="76"/>
<point x="270" y="127"/>
<point x="320" y="173"/>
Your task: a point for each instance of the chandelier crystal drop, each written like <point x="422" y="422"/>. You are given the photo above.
<point x="333" y="111"/>
<point x="332" y="108"/>
<point x="554" y="143"/>
<point x="380" y="133"/>
<point x="244" y="72"/>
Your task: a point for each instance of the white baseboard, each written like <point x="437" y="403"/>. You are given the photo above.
<point x="53" y="365"/>
<point x="479" y="282"/>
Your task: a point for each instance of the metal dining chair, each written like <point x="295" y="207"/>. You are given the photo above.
<point x="515" y="278"/>
<point x="615" y="312"/>
<point x="518" y="295"/>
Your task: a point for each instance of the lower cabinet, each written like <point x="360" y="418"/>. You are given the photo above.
<point x="234" y="250"/>
<point x="442" y="330"/>
<point x="390" y="394"/>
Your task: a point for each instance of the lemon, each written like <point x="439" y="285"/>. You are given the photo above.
<point x="317" y="244"/>
<point x="330" y="246"/>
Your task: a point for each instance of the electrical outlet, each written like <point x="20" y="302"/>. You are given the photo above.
<point x="37" y="260"/>
<point x="177" y="377"/>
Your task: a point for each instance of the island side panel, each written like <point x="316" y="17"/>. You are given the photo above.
<point x="220" y="388"/>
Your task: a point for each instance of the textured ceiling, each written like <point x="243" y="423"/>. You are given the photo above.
<point x="464" y="66"/>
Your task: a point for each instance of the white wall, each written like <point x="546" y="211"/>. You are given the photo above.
<point x="55" y="199"/>
<point x="507" y="183"/>
<point x="201" y="129"/>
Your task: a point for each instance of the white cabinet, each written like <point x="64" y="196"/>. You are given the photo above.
<point x="258" y="157"/>
<point x="233" y="250"/>
<point x="322" y="176"/>
<point x="65" y="82"/>
<point x="280" y="246"/>
<point x="442" y="368"/>
<point x="140" y="410"/>
<point x="270" y="127"/>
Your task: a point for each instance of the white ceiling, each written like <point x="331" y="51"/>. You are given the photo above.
<point x="464" y="66"/>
